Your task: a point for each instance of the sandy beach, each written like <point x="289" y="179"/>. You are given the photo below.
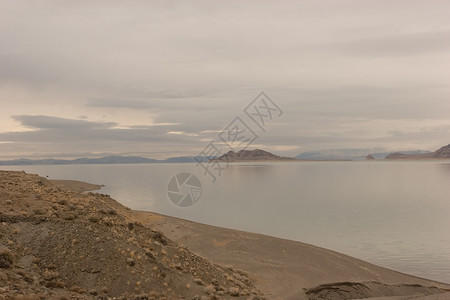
<point x="285" y="269"/>
<point x="58" y="242"/>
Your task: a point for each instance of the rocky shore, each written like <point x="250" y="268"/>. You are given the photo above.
<point x="59" y="242"/>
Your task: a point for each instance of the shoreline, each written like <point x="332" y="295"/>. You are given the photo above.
<point x="213" y="243"/>
<point x="203" y="241"/>
<point x="279" y="268"/>
<point x="284" y="268"/>
<point x="75" y="185"/>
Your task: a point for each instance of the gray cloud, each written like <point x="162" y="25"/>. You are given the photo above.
<point x="394" y="45"/>
<point x="51" y="122"/>
<point x="50" y="128"/>
<point x="68" y="135"/>
<point x="347" y="74"/>
<point x="185" y="103"/>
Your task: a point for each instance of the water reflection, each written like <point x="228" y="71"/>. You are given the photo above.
<point x="390" y="213"/>
<point x="445" y="167"/>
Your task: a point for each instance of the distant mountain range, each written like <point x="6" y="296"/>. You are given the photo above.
<point x="242" y="155"/>
<point x="442" y="153"/>
<point x="251" y="155"/>
<point x="349" y="154"/>
<point x="102" y="160"/>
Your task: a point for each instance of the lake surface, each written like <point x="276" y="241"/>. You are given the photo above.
<point x="394" y="214"/>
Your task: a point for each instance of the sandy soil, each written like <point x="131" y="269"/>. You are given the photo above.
<point x="285" y="269"/>
<point x="56" y="243"/>
<point x="76" y="186"/>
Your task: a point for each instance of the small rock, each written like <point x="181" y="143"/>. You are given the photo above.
<point x="69" y="216"/>
<point x="93" y="292"/>
<point x="130" y="226"/>
<point x="26" y="261"/>
<point x="38" y="211"/>
<point x="210" y="290"/>
<point x="130" y="261"/>
<point x="51" y="266"/>
<point x="94" y="218"/>
<point x="199" y="281"/>
<point x="4" y="263"/>
<point x="6" y="257"/>
<point x="234" y="291"/>
<point x="149" y="253"/>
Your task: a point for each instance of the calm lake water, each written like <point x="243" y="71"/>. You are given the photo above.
<point x="394" y="214"/>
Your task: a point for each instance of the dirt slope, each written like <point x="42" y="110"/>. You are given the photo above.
<point x="285" y="269"/>
<point x="62" y="244"/>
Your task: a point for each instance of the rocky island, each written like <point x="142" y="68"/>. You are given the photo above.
<point x="370" y="157"/>
<point x="251" y="155"/>
<point x="442" y="153"/>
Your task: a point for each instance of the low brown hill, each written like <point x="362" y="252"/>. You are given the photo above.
<point x="251" y="155"/>
<point x="442" y="153"/>
<point x="61" y="244"/>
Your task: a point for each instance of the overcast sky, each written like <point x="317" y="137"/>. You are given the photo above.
<point x="163" y="78"/>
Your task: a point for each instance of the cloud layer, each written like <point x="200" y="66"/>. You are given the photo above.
<point x="115" y="77"/>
